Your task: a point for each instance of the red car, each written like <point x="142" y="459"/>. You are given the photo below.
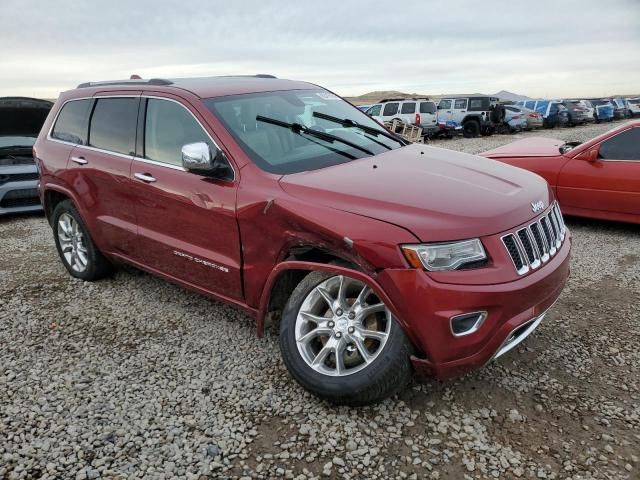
<point x="277" y="196"/>
<point x="599" y="178"/>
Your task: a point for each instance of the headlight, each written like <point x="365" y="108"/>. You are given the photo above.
<point x="444" y="256"/>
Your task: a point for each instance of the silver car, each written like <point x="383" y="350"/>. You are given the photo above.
<point x="20" y="122"/>
<point x="520" y="118"/>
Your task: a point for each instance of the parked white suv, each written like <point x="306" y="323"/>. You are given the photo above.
<point x="474" y="115"/>
<point x="414" y="111"/>
<point x="633" y="106"/>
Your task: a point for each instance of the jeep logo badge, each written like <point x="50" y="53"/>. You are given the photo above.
<point x="537" y="206"/>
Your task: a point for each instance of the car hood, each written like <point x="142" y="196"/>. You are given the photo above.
<point x="434" y="193"/>
<point x="22" y="117"/>
<point x="530" y="147"/>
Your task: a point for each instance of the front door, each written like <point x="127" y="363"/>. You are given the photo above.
<point x="611" y="183"/>
<point x="186" y="222"/>
<point x="445" y="111"/>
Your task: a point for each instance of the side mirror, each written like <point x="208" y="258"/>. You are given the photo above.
<point x="198" y="158"/>
<point x="592" y="154"/>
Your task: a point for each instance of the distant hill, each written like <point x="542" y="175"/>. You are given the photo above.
<point x="513" y="97"/>
<point x="374" y="97"/>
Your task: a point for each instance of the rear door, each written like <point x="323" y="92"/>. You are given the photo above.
<point x="428" y="114"/>
<point x="445" y="111"/>
<point x="99" y="172"/>
<point x="186" y="222"/>
<point x="611" y="183"/>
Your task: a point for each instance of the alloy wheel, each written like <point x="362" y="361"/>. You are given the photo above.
<point x="72" y="243"/>
<point x="341" y="327"/>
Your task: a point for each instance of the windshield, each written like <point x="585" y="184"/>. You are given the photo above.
<point x="16" y="141"/>
<point x="635" y="101"/>
<point x="290" y="131"/>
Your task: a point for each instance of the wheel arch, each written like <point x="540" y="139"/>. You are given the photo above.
<point x="52" y="196"/>
<point x="281" y="280"/>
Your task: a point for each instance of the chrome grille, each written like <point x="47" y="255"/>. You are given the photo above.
<point x="535" y="244"/>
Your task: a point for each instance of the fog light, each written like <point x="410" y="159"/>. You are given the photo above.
<point x="467" y="323"/>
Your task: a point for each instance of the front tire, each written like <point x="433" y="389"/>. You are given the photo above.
<point x="340" y="342"/>
<point x="78" y="253"/>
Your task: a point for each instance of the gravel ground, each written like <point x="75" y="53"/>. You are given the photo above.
<point x="133" y="377"/>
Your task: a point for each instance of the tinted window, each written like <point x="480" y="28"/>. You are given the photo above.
<point x="479" y="104"/>
<point x="71" y="125"/>
<point x="427" y="107"/>
<point x="624" y="146"/>
<point x="374" y="111"/>
<point x="530" y="104"/>
<point x="168" y="127"/>
<point x="408" y="107"/>
<point x="113" y="125"/>
<point x="460" y="103"/>
<point x="444" y="104"/>
<point x="390" y="109"/>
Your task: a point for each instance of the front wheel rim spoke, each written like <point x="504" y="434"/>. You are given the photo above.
<point x="310" y="317"/>
<point x="362" y="349"/>
<point x="322" y="355"/>
<point x="368" y="310"/>
<point x="315" y="333"/>
<point x="339" y="354"/>
<point x="327" y="296"/>
<point x="373" y="334"/>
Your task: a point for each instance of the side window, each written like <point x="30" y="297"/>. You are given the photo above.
<point x="624" y="146"/>
<point x="390" y="109"/>
<point x="71" y="125"/>
<point x="460" y="103"/>
<point x="113" y="125"/>
<point x="168" y="127"/>
<point x="374" y="111"/>
<point x="444" y="104"/>
<point x="408" y="107"/>
<point x="427" y="107"/>
<point x="476" y="104"/>
<point x="530" y="104"/>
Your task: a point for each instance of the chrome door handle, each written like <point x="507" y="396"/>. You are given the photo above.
<point x="144" y="177"/>
<point x="79" y="160"/>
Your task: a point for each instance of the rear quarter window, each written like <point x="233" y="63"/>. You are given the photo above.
<point x="71" y="124"/>
<point x="390" y="109"/>
<point x="408" y="107"/>
<point x="113" y="125"/>
<point x="427" y="107"/>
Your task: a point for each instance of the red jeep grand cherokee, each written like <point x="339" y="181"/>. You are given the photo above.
<point x="277" y="196"/>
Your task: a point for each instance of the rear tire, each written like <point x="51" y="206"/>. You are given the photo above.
<point x="325" y="355"/>
<point x="78" y="253"/>
<point x="471" y="129"/>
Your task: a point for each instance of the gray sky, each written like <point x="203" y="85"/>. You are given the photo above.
<point x="538" y="47"/>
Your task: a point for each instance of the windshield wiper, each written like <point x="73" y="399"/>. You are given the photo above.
<point x="303" y="130"/>
<point x="347" y="122"/>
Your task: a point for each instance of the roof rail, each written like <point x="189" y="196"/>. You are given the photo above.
<point x="151" y="81"/>
<point x="264" y="75"/>
<point x="403" y="99"/>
